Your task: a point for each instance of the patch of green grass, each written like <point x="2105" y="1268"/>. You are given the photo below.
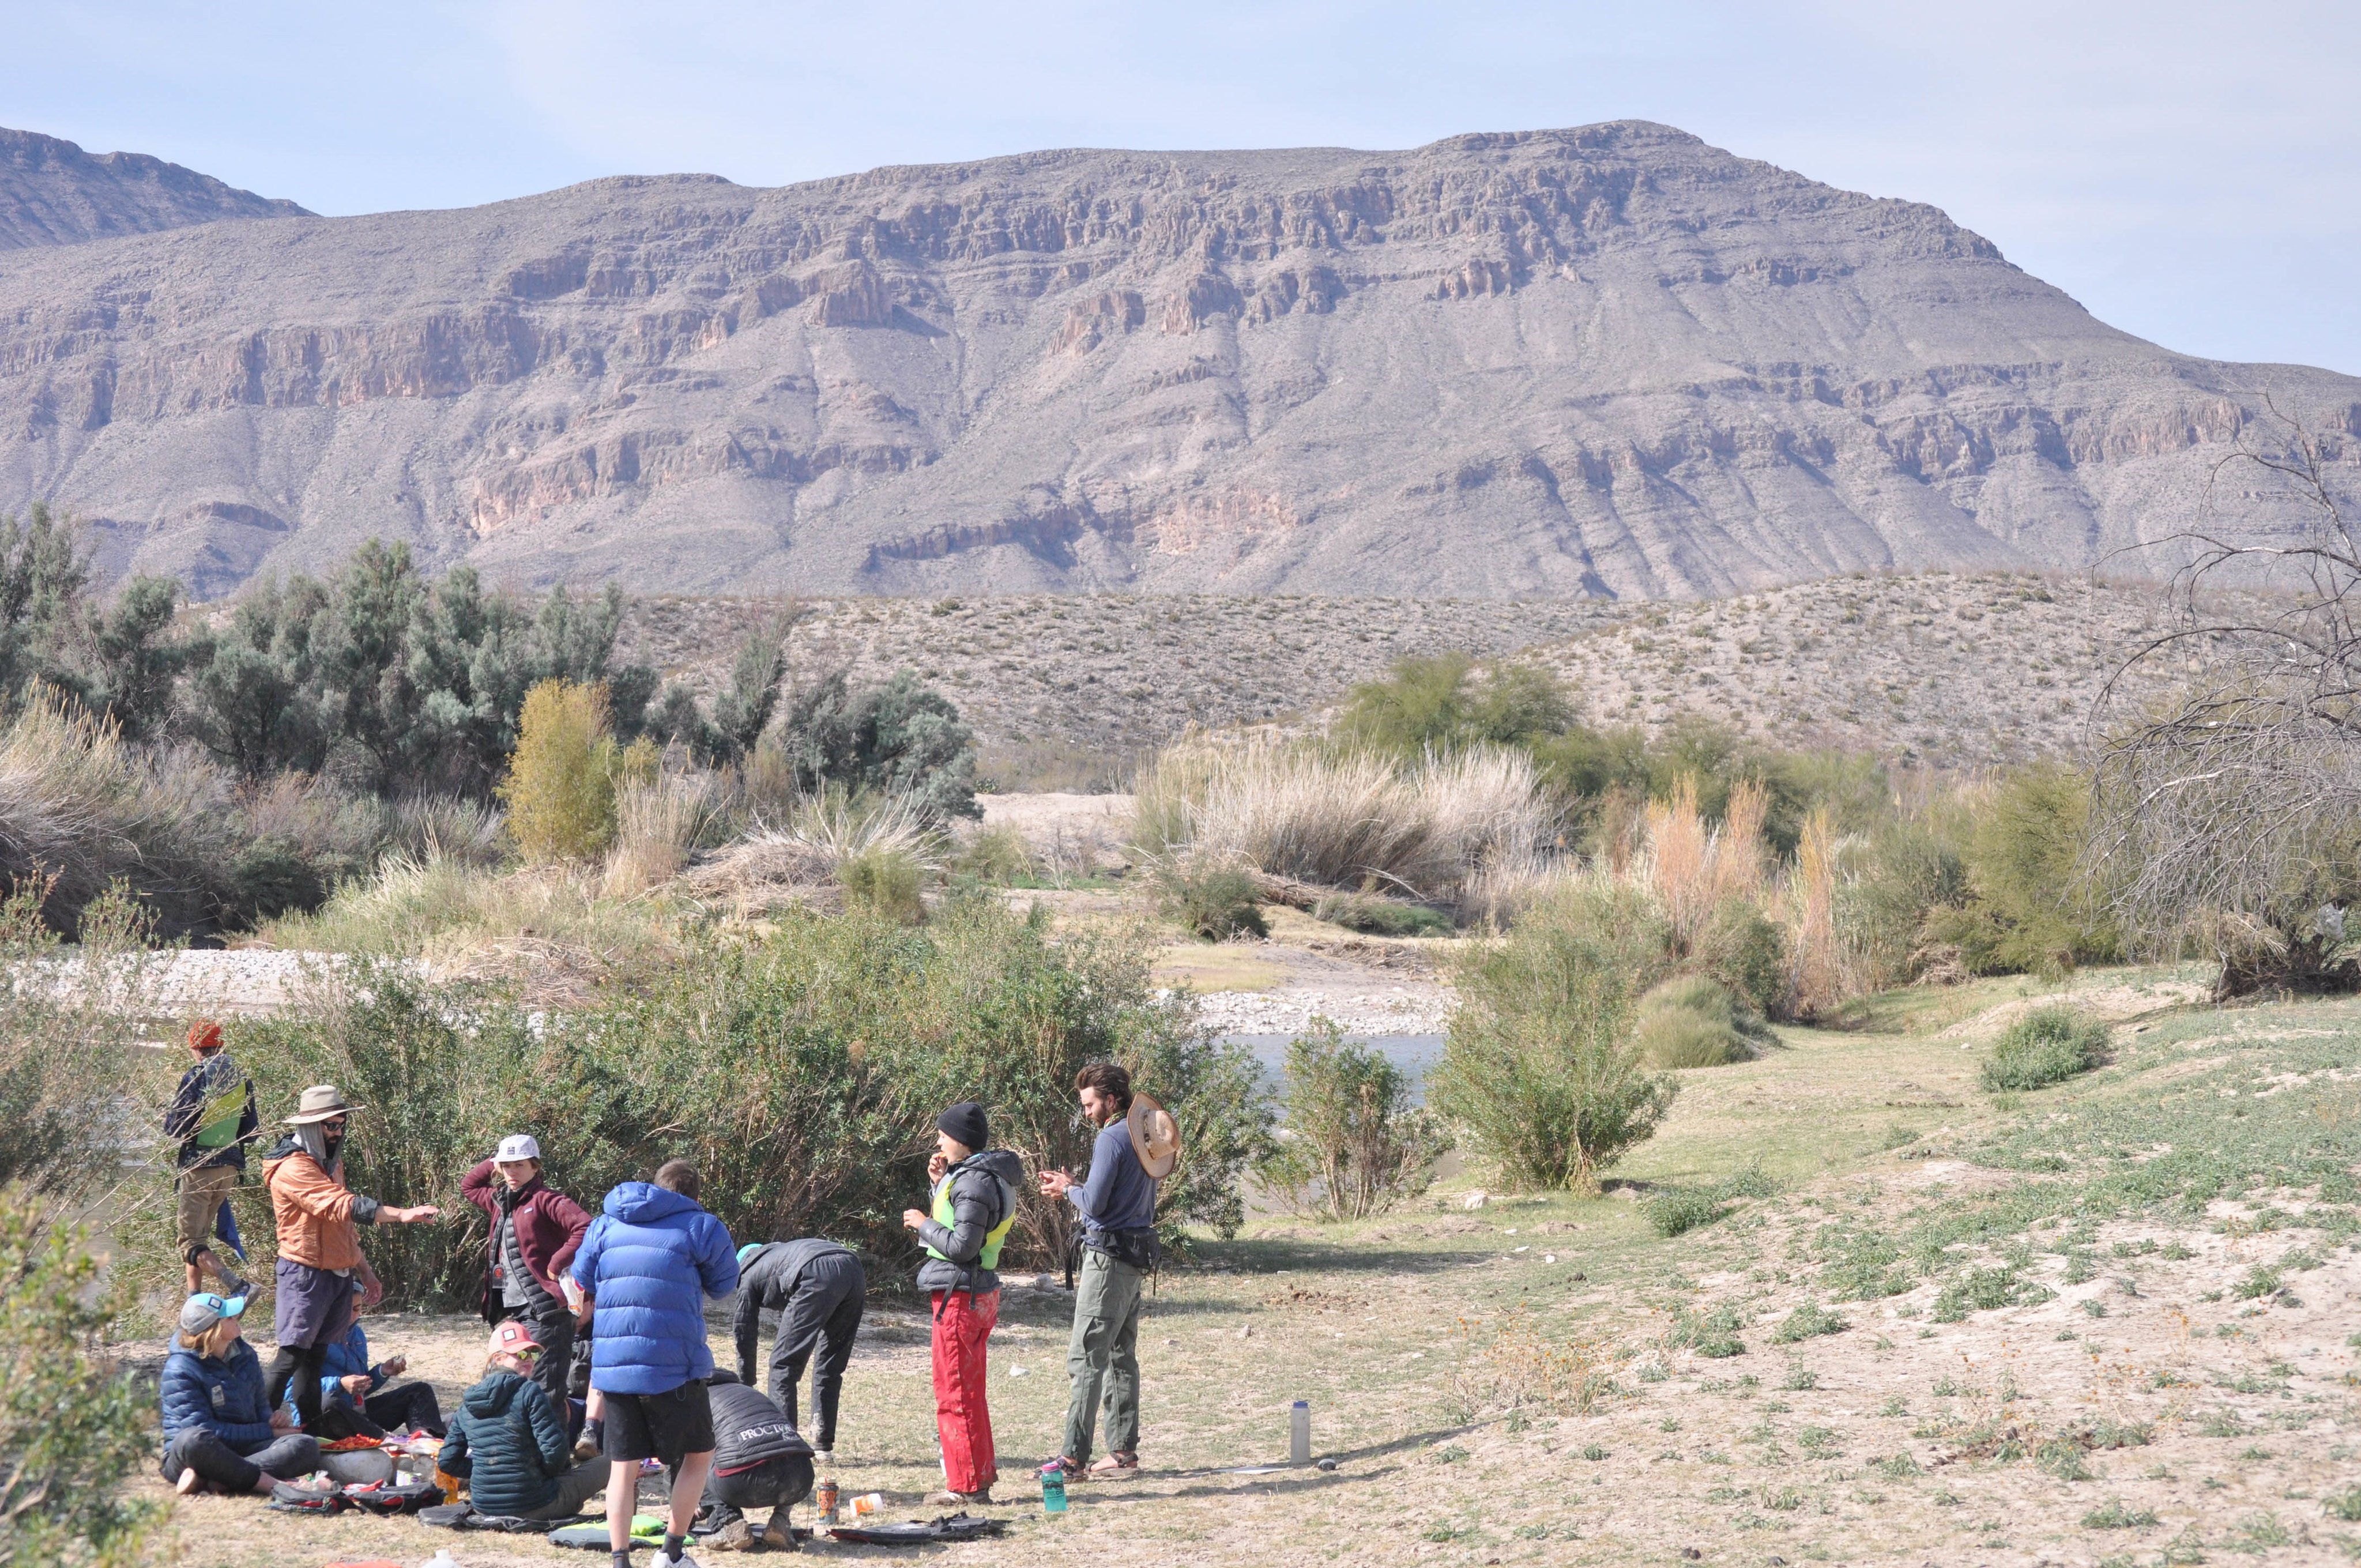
<point x="1713" y="1334"/>
<point x="2046" y="1046"/>
<point x="1807" y="1321"/>
<point x="2259" y="1281"/>
<point x="2345" y="1505"/>
<point x="1898" y="1466"/>
<point x="2062" y="1457"/>
<point x="1593" y="1452"/>
<point x="1676" y="1211"/>
<point x="2113" y="1515"/>
<point x="1799" y="1377"/>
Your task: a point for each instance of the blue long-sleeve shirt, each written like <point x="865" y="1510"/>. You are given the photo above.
<point x="1118" y="1196"/>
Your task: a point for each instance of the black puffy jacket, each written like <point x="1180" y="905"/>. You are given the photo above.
<point x="509" y="1442"/>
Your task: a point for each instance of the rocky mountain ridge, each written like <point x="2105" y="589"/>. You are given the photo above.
<point x="1604" y="362"/>
<point x="52" y="193"/>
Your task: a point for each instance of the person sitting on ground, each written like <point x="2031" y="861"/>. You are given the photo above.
<point x="652" y="1253"/>
<point x="819" y="1291"/>
<point x="759" y="1462"/>
<point x="320" y="1257"/>
<point x="219" y="1430"/>
<point x="974" y="1205"/>
<point x="510" y="1441"/>
<point x="348" y="1383"/>
<point x="533" y="1232"/>
<point x="209" y="1123"/>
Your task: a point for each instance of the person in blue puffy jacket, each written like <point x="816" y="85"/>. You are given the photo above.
<point x="351" y="1382"/>
<point x="646" y="1266"/>
<point x="219" y="1428"/>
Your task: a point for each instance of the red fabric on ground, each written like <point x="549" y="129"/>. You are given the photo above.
<point x="962" y="1325"/>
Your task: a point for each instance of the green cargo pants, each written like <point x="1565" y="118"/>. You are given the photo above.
<point x="1104" y="1355"/>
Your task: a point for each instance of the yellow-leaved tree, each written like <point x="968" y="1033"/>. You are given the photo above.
<point x="560" y="788"/>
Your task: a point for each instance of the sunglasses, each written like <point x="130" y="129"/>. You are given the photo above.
<point x="527" y="1352"/>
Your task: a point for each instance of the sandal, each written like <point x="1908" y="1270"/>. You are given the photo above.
<point x="1072" y="1469"/>
<point x="1117" y="1465"/>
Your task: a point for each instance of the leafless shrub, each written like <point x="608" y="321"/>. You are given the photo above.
<point x="2230" y="819"/>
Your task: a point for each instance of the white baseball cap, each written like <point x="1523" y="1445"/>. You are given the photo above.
<point x="517" y="1145"/>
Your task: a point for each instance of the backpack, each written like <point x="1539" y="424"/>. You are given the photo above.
<point x="395" y="1497"/>
<point x="288" y="1497"/>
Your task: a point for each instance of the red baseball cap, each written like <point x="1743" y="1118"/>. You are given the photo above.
<point x="513" y="1337"/>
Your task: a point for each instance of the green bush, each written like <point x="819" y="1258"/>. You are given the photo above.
<point x="1212" y="902"/>
<point x="1675" y="1211"/>
<point x="1807" y="1321"/>
<point x="800" y="1071"/>
<point x="885" y="882"/>
<point x="560" y="786"/>
<point x="998" y="857"/>
<point x="1356" y="1145"/>
<point x="1376" y="916"/>
<point x="1691" y="1021"/>
<point x="1539" y="1070"/>
<point x="73" y="1425"/>
<point x="1746" y="950"/>
<point x="2046" y="1046"/>
<point x="2031" y="908"/>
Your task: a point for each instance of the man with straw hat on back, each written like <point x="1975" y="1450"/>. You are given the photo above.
<point x="320" y="1257"/>
<point x="1138" y="1146"/>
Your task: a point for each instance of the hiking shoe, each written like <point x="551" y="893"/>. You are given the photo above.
<point x="735" y="1536"/>
<point x="778" y="1534"/>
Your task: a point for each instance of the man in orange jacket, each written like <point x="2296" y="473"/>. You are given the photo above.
<point x="319" y="1245"/>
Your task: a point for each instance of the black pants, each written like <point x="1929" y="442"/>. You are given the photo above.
<point x="779" y="1483"/>
<point x="825" y="1311"/>
<point x="411" y="1404"/>
<point x="285" y="1458"/>
<point x="300" y="1365"/>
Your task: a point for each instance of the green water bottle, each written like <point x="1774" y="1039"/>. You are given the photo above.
<point x="1053" y="1488"/>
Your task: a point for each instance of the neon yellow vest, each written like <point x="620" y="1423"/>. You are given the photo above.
<point x="990" y="1256"/>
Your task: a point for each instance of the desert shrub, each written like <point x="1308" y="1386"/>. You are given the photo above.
<point x="560" y="788"/>
<point x="1377" y="916"/>
<point x="801" y="1072"/>
<point x="900" y="738"/>
<point x="1212" y="902"/>
<point x="807" y="859"/>
<point x="1538" y="1068"/>
<point x="660" y="823"/>
<point x="2049" y="1044"/>
<point x="2031" y="906"/>
<point x="1344" y="818"/>
<point x="1438" y="703"/>
<point x="1356" y="1145"/>
<point x="73" y="1425"/>
<point x="1914" y="865"/>
<point x="732" y="728"/>
<point x="1746" y="950"/>
<point x="1692" y="1021"/>
<point x="885" y="882"/>
<point x="997" y="855"/>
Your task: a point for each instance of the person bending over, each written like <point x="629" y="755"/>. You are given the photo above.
<point x="650" y="1258"/>
<point x="510" y="1441"/>
<point x="974" y="1205"/>
<point x="219" y="1429"/>
<point x="319" y="1244"/>
<point x="819" y="1291"/>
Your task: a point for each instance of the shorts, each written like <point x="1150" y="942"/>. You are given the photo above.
<point x="667" y="1427"/>
<point x="203" y="1191"/>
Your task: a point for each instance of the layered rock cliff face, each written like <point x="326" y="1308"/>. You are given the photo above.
<point x="1604" y="361"/>
<point x="52" y="193"/>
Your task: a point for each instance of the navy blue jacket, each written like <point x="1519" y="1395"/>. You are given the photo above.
<point x="510" y="1443"/>
<point x="225" y="1396"/>
<point x="647" y="1262"/>
<point x="1118" y="1196"/>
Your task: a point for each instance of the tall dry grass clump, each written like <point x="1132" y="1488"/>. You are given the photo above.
<point x="1822" y="979"/>
<point x="660" y="823"/>
<point x="1344" y="818"/>
<point x="1695" y="869"/>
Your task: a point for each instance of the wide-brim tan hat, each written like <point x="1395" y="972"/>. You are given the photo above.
<point x="1154" y="1136"/>
<point x="320" y="1102"/>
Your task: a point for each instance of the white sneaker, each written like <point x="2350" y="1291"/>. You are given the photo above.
<point x="683" y="1561"/>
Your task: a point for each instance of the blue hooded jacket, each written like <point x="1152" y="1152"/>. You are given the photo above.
<point x="646" y="1262"/>
<point x="225" y="1396"/>
<point x="345" y="1356"/>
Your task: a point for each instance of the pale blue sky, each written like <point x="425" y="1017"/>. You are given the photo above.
<point x="2191" y="172"/>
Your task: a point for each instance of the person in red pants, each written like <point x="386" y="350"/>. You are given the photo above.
<point x="974" y="1205"/>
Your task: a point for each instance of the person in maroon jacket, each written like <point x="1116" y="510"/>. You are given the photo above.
<point x="534" y="1231"/>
